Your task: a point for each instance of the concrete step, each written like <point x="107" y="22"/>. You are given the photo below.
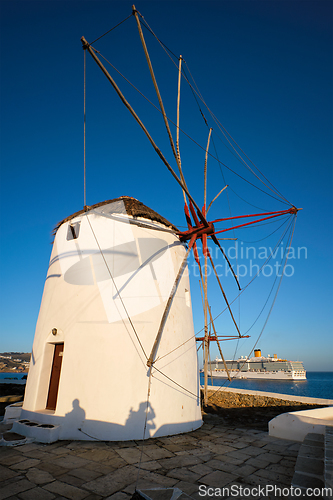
<point x="328" y="465"/>
<point x="313" y="468"/>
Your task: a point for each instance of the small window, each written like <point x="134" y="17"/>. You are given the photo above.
<point x="73" y="231"/>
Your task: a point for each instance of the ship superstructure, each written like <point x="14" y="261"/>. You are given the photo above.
<point x="258" y="367"/>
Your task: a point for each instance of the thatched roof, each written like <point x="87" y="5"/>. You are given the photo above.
<point x="132" y="206"/>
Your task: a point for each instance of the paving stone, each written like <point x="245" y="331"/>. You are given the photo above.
<point x="180" y="461"/>
<point x="201" y="453"/>
<point x="92" y="496"/>
<point x="38" y="476"/>
<point x="37" y="494"/>
<point x="6" y="473"/>
<point x="238" y="445"/>
<point x="254" y="480"/>
<point x="11" y="458"/>
<point x="223" y="466"/>
<point x="15" y="488"/>
<point x="155" y="453"/>
<point x="97" y="455"/>
<point x="153" y="465"/>
<point x="239" y="455"/>
<point x="174" y="448"/>
<point x="25" y="464"/>
<point x="288" y="462"/>
<point x="66" y="490"/>
<point x="201" y="469"/>
<point x="97" y="467"/>
<point x="183" y="439"/>
<point x="309" y="466"/>
<point x="217" y="448"/>
<point x="245" y="470"/>
<point x="188" y="488"/>
<point x="22" y="448"/>
<point x="280" y="469"/>
<point x="121" y="444"/>
<point x="42" y="455"/>
<point x="86" y="474"/>
<point x="305" y="481"/>
<point x="274" y="477"/>
<point x="113" y="482"/>
<point x="312" y="436"/>
<point x="218" y="478"/>
<point x="142" y="485"/>
<point x="258" y="462"/>
<point x="119" y="496"/>
<point x="57" y="444"/>
<point x="184" y="474"/>
<point x="52" y="468"/>
<point x="89" y="445"/>
<point x="71" y="462"/>
<point x="12" y="480"/>
<point x="74" y="481"/>
<point x="253" y="451"/>
<point x="259" y="444"/>
<point x="271" y="457"/>
<point x="59" y="450"/>
<point x="158" y="479"/>
<point x="311" y="451"/>
<point x="228" y="459"/>
<point x="133" y="455"/>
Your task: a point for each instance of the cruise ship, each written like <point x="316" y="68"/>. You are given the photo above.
<point x="258" y="367"/>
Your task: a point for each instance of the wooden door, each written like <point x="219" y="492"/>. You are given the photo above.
<point x="55" y="377"/>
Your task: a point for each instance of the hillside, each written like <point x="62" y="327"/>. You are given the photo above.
<point x="14" y="361"/>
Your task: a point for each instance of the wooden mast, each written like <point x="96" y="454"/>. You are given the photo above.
<point x="205" y="251"/>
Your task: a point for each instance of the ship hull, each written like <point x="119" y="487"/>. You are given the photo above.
<point x="279" y="375"/>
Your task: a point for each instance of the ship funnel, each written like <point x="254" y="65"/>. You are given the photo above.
<point x="257" y="353"/>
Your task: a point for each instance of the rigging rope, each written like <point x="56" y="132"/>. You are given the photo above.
<point x="145" y="425"/>
<point x="290" y="238"/>
<point x="220" y="126"/>
<point x="266" y="262"/>
<point x="114" y="27"/>
<point x="224" y="131"/>
<point x="183" y="132"/>
<point x="84" y="129"/>
<point x="255" y="276"/>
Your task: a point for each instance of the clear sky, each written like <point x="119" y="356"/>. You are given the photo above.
<point x="263" y="67"/>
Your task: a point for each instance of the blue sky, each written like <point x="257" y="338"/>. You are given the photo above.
<point x="263" y="67"/>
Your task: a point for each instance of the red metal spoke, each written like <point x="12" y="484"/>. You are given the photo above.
<point x="222" y="337"/>
<point x="292" y="210"/>
<point x="194" y="215"/>
<point x="188" y="217"/>
<point x="196" y="254"/>
<point x="249" y="223"/>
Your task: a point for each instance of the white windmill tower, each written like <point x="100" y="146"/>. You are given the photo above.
<point x="112" y="271"/>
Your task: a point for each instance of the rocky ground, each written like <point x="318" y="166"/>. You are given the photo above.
<point x="10" y="393"/>
<point x="245" y="410"/>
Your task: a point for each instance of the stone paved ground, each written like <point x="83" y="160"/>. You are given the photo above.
<point x="218" y="455"/>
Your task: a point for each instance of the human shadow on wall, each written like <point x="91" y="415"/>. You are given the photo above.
<point x="74" y="419"/>
<point x="140" y="424"/>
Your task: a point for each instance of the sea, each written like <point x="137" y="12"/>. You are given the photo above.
<point x="317" y="385"/>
